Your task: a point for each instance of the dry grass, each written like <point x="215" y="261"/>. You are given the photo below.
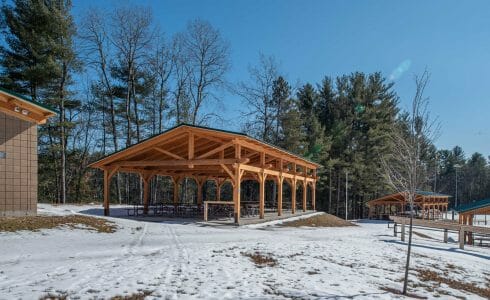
<point x="35" y="223"/>
<point x="398" y="292"/>
<point x="323" y="220"/>
<point x="261" y="260"/>
<point x="59" y="295"/>
<point x="136" y="296"/>
<point x="428" y="275"/>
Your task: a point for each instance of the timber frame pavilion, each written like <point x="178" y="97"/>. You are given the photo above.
<point x="430" y="205"/>
<point x="202" y="153"/>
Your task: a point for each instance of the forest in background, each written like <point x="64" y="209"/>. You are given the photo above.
<point x="115" y="78"/>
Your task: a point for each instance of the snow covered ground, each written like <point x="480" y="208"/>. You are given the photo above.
<point x="192" y="260"/>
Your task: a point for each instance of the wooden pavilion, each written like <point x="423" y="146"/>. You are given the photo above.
<point x="428" y="205"/>
<point x="202" y="153"/>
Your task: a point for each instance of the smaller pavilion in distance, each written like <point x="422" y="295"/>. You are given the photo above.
<point x="427" y="205"/>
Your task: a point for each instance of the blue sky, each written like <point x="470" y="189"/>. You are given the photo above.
<point x="312" y="39"/>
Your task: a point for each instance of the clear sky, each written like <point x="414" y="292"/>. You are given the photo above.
<point x="312" y="39"/>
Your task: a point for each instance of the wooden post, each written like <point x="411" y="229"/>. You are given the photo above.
<point x="205" y="211"/>
<point x="146" y="190"/>
<point x="313" y="195"/>
<point x="236" y="193"/>
<point x="461" y="237"/>
<point x="106" y="192"/>
<point x="394" y="230"/>
<point x="176" y="190"/>
<point x="305" y="187"/>
<point x="262" y="178"/>
<point x="293" y="195"/>
<point x="445" y="235"/>
<point x="470" y="234"/>
<point x="403" y="230"/>
<point x="279" y="198"/>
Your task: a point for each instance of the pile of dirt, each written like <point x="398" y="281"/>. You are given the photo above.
<point x="322" y="220"/>
<point x="35" y="223"/>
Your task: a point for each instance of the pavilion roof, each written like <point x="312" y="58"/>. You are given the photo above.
<point x="474" y="206"/>
<point x="173" y="144"/>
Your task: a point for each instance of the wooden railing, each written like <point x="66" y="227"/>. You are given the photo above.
<point x="207" y="203"/>
<point x="446" y="226"/>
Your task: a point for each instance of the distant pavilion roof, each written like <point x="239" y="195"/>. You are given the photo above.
<point x="400" y="197"/>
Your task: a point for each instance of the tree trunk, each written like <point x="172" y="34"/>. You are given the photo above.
<point x="330" y="191"/>
<point x="407" y="265"/>
<point x="63" y="134"/>
<point x="338" y="194"/>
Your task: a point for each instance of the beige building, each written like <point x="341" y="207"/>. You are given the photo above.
<point x="19" y="118"/>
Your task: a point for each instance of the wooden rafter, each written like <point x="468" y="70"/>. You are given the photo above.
<point x="169" y="153"/>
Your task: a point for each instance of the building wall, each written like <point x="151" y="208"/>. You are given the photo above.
<point x="18" y="166"/>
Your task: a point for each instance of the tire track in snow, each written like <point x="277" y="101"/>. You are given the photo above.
<point x="97" y="270"/>
<point x="182" y="258"/>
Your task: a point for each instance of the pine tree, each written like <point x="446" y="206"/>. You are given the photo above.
<point x="39" y="61"/>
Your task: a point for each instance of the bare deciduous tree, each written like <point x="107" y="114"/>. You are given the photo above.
<point x="161" y="65"/>
<point x="132" y="36"/>
<point x="404" y="169"/>
<point x="204" y="56"/>
<point x="258" y="97"/>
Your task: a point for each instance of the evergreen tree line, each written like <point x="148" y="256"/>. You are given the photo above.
<point x="116" y="78"/>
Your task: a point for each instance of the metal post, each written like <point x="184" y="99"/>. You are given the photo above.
<point x="456" y="167"/>
<point x="346" y="192"/>
<point x="403" y="230"/>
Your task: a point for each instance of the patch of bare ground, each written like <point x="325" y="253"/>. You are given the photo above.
<point x="59" y="295"/>
<point x="36" y="223"/>
<point x="261" y="260"/>
<point x="323" y="220"/>
<point x="432" y="276"/>
<point x="136" y="296"/>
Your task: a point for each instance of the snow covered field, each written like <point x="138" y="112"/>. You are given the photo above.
<point x="188" y="261"/>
